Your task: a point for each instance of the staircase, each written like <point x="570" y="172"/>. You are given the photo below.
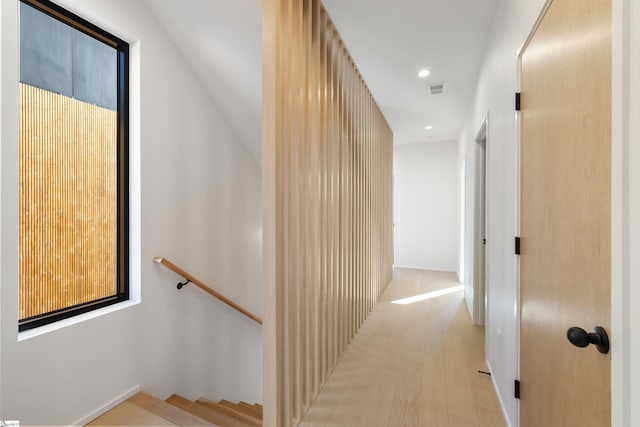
<point x="145" y="410"/>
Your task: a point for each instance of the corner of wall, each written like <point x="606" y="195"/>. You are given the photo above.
<point x="106" y="407"/>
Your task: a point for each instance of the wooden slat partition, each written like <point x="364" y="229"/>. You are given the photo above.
<point x="68" y="202"/>
<point x="327" y="195"/>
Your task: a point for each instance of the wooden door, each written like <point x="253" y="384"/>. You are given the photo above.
<point x="565" y="214"/>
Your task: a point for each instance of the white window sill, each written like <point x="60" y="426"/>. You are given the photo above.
<point x="36" y="332"/>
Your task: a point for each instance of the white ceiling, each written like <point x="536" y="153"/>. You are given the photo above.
<point x="390" y="41"/>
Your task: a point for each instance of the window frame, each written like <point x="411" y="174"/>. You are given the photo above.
<point x="123" y="245"/>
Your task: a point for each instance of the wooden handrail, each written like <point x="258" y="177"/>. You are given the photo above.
<point x="198" y="283"/>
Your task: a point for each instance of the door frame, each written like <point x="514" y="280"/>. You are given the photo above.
<point x="625" y="213"/>
<point x="625" y="209"/>
<point x="480" y="264"/>
<point x="462" y="224"/>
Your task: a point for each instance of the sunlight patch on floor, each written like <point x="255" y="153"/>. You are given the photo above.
<point x="429" y="295"/>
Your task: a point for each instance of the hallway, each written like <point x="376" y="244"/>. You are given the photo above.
<point x="412" y="364"/>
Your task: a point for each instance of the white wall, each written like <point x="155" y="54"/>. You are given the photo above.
<point x="426" y="205"/>
<point x="200" y="207"/>
<point x="497" y="84"/>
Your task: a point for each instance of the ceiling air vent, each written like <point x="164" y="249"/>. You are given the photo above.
<point x="436" y="89"/>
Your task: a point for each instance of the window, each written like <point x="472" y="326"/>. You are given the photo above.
<point x="74" y="249"/>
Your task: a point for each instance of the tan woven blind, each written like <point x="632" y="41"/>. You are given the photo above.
<point x="68" y="202"/>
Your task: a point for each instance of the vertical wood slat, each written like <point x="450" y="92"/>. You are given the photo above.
<point x="315" y="144"/>
<point x="304" y="41"/>
<point x="68" y="202"/>
<point x="326" y="204"/>
<point x="271" y="229"/>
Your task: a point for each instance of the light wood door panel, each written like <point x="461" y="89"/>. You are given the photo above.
<point x="565" y="214"/>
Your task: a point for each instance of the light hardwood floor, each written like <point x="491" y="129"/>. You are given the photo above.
<point x="411" y="365"/>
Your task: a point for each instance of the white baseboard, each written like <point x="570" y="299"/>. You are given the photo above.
<point x="495" y="388"/>
<point x="107" y="406"/>
<point x="466" y="301"/>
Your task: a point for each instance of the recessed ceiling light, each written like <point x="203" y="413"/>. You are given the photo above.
<point x="428" y="127"/>
<point x="423" y="73"/>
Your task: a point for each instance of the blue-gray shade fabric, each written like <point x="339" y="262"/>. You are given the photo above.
<point x="61" y="59"/>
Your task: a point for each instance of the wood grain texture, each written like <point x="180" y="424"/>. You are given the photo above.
<point x="411" y="365"/>
<point x="68" y="202"/>
<point x="143" y="409"/>
<point x="327" y="227"/>
<point x="202" y="411"/>
<point x="231" y="410"/>
<point x="129" y="414"/>
<point x="245" y="408"/>
<point x="565" y="214"/>
<point x="167" y="411"/>
<point x="207" y="289"/>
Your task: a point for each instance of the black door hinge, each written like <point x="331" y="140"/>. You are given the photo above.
<point x="516" y="389"/>
<point x="517" y="101"/>
<point x="484" y="241"/>
<point x="517" y="246"/>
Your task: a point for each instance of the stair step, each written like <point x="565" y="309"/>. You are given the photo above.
<point x="167" y="411"/>
<point x="232" y="410"/>
<point x="250" y="405"/>
<point x="246" y="420"/>
<point x="244" y="407"/>
<point x="128" y="414"/>
<point x="145" y="410"/>
<point x="220" y="417"/>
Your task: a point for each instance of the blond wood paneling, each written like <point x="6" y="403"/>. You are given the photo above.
<point x="565" y="269"/>
<point x="68" y="202"/>
<point x="327" y="159"/>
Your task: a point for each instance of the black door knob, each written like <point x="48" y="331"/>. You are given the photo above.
<point x="581" y="338"/>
